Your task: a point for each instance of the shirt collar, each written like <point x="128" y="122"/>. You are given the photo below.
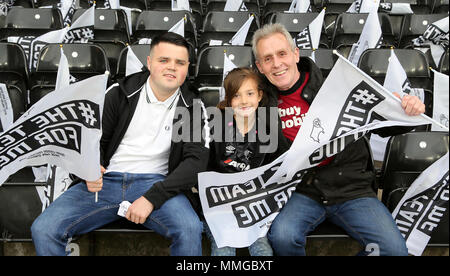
<point x="150" y="96"/>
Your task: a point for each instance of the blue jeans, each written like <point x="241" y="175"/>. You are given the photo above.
<point x="261" y="247"/>
<point x="365" y="219"/>
<point x="75" y="212"/>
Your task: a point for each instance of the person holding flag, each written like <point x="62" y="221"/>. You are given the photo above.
<point x="340" y="187"/>
<point x="147" y="173"/>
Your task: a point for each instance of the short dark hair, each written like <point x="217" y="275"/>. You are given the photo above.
<point x="171" y="38"/>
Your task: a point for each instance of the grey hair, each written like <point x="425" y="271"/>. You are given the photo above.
<point x="270" y="29"/>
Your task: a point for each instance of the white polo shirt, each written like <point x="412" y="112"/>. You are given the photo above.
<point x="145" y="146"/>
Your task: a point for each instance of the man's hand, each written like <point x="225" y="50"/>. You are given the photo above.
<point x="96" y="186"/>
<point x="412" y="105"/>
<point x="139" y="210"/>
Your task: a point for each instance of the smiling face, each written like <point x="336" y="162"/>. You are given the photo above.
<point x="246" y="100"/>
<point x="277" y="61"/>
<point x="168" y="65"/>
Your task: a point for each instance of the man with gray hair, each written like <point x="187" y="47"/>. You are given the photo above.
<point x="340" y="188"/>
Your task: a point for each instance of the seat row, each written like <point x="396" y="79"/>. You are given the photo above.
<point x="89" y="59"/>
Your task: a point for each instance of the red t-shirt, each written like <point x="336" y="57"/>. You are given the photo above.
<point x="292" y="108"/>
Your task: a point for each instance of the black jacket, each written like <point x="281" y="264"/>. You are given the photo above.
<point x="350" y="174"/>
<point x="187" y="157"/>
<point x="234" y="155"/>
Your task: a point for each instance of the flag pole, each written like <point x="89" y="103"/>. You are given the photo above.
<point x="379" y="86"/>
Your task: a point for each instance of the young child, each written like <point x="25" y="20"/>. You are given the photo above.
<point x="243" y="96"/>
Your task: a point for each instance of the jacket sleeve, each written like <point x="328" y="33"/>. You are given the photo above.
<point x="183" y="178"/>
<point x="109" y="120"/>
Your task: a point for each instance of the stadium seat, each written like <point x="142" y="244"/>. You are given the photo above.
<point x="415" y="25"/>
<point x="224" y="25"/>
<point x="19" y="191"/>
<point x="406" y="156"/>
<point x="140" y="50"/>
<point x="24" y="3"/>
<point x="85" y="60"/>
<point x="13" y="66"/>
<point x="166" y="5"/>
<point x="333" y="9"/>
<point x="31" y="22"/>
<point x="349" y="26"/>
<point x="151" y="23"/>
<point x="374" y="62"/>
<point x="296" y="22"/>
<point x="209" y="69"/>
<point x="324" y="59"/>
<point x="443" y="63"/>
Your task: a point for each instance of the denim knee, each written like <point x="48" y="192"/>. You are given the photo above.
<point x="283" y="239"/>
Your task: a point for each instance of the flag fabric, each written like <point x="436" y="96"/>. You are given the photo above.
<point x="364" y="6"/>
<point x="5" y="5"/>
<point x="235" y="5"/>
<point x="228" y="65"/>
<point x="300" y="6"/>
<point x="436" y="38"/>
<point x="240" y="207"/>
<point x="396" y="8"/>
<point x="67" y="8"/>
<point x="309" y="38"/>
<point x="241" y="34"/>
<point x="371" y="37"/>
<point x="133" y="64"/>
<point x="440" y="100"/>
<point x="6" y="110"/>
<point x="180" y="5"/>
<point x="178" y="28"/>
<point x="62" y="129"/>
<point x="423" y="205"/>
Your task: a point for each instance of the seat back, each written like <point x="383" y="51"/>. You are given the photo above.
<point x="140" y="50"/>
<point x="324" y="59"/>
<point x="349" y="26"/>
<point x="443" y="63"/>
<point x="32" y="22"/>
<point x="220" y="25"/>
<point x="296" y="22"/>
<point x="415" y="25"/>
<point x="13" y="66"/>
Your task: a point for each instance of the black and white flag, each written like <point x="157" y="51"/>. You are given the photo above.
<point x="235" y="5"/>
<point x="240" y="207"/>
<point x="309" y="38"/>
<point x="420" y="210"/>
<point x="62" y="129"/>
<point x="6" y="109"/>
<point x="436" y="38"/>
<point x="395" y="8"/>
<point x="370" y="38"/>
<point x="364" y="6"/>
<point x="299" y="6"/>
<point x="440" y="100"/>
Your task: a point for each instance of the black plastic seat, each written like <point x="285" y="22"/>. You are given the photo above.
<point x="209" y="69"/>
<point x="152" y="23"/>
<point x="31" y="22"/>
<point x="13" y="66"/>
<point x="350" y="25"/>
<point x="415" y="25"/>
<point x="296" y="22"/>
<point x="219" y="5"/>
<point x="406" y="157"/>
<point x="440" y="6"/>
<point x="220" y="25"/>
<point x="166" y="5"/>
<point x="375" y="62"/>
<point x="85" y="60"/>
<point x="324" y="59"/>
<point x="443" y="63"/>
